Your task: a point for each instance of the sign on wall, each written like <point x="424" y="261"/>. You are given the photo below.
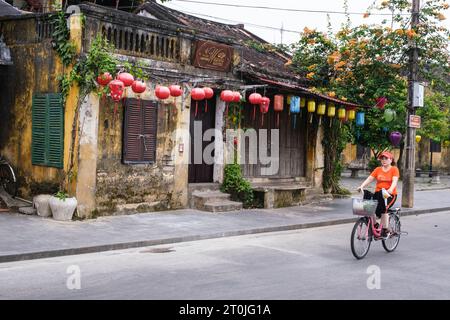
<point x="213" y="55"/>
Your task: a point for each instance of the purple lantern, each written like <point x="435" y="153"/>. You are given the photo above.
<point x="395" y="137"/>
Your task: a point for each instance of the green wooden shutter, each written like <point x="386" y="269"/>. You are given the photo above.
<point x="55" y="135"/>
<point x="47" y="145"/>
<point x="39" y="129"/>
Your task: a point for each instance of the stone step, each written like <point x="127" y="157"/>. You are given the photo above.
<point x="28" y="210"/>
<point x="203" y="187"/>
<point x="199" y="199"/>
<point x="222" y="206"/>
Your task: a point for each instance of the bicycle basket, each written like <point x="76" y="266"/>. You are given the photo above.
<point x="362" y="207"/>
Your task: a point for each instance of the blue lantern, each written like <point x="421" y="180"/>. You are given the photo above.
<point x="360" y="119"/>
<point x="295" y="107"/>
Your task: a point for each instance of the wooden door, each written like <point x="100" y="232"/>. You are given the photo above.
<point x="201" y="172"/>
<point x="292" y="143"/>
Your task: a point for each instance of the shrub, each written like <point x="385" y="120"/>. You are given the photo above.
<point x="234" y="184"/>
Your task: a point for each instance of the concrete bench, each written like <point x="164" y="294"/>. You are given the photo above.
<point x="280" y="195"/>
<point x="355" y="167"/>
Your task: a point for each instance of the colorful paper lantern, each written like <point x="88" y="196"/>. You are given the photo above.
<point x="381" y="102"/>
<point x="351" y="114"/>
<point x="209" y="93"/>
<point x="395" y="137"/>
<point x="331" y="110"/>
<point x="418" y="138"/>
<point x="389" y="115"/>
<point x="311" y="108"/>
<point x="197" y="94"/>
<point x="104" y="79"/>
<point x="162" y="92"/>
<point x="175" y="90"/>
<point x="360" y="119"/>
<point x="278" y="104"/>
<point x="294" y="108"/>
<point x="341" y="113"/>
<point x="321" y="108"/>
<point x="126" y="78"/>
<point x="264" y="108"/>
<point x="254" y="99"/>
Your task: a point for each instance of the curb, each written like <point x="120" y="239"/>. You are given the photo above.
<point x="148" y="243"/>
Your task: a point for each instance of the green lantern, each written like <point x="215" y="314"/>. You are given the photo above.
<point x="389" y="115"/>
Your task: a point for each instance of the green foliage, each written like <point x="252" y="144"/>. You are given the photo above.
<point x="335" y="138"/>
<point x="61" y="195"/>
<point x="239" y="188"/>
<point x="436" y="114"/>
<point x="61" y="36"/>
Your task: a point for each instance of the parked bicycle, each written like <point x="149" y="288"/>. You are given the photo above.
<point x="366" y="229"/>
<point x="8" y="178"/>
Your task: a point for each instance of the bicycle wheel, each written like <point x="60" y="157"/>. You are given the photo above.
<point x="8" y="179"/>
<point x="392" y="242"/>
<point x="361" y="238"/>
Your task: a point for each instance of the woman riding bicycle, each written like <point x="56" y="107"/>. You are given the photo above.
<point x="387" y="178"/>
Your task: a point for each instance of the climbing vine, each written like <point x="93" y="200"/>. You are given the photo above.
<point x="85" y="69"/>
<point x="336" y="136"/>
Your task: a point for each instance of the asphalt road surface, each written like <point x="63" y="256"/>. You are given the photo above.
<point x="303" y="264"/>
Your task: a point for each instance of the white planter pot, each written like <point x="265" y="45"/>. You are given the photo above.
<point x="62" y="209"/>
<point x="40" y="202"/>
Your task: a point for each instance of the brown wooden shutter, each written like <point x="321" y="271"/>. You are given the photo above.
<point x="150" y="117"/>
<point x="140" y="131"/>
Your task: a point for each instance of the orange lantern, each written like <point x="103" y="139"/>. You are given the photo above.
<point x="278" y="106"/>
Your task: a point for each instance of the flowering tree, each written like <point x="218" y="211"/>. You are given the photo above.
<point x="364" y="63"/>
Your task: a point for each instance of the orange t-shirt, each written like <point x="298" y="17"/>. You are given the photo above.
<point x="384" y="179"/>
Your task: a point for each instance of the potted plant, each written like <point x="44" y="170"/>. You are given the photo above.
<point x="62" y="206"/>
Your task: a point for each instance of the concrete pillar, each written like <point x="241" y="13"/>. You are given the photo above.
<point x="319" y="162"/>
<point x="219" y="155"/>
<point x="87" y="157"/>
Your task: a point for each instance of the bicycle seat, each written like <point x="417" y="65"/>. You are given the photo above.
<point x="394" y="210"/>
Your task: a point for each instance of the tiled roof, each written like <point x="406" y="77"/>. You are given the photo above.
<point x="266" y="66"/>
<point x="8" y="10"/>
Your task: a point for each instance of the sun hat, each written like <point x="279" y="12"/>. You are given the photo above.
<point x="386" y="154"/>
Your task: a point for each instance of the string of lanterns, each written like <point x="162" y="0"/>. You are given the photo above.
<point x="123" y="80"/>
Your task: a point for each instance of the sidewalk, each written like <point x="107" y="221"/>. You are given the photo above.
<point x="25" y="237"/>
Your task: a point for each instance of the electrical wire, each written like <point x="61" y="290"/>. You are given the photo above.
<point x="282" y="9"/>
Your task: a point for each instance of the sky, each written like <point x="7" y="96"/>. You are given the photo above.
<point x="288" y="20"/>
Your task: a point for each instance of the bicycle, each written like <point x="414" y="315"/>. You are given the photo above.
<point x="8" y="178"/>
<point x="364" y="231"/>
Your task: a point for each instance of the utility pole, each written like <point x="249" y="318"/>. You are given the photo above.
<point x="409" y="169"/>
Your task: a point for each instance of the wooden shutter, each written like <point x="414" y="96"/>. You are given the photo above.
<point x="150" y="122"/>
<point x="39" y="129"/>
<point x="55" y="131"/>
<point x="47" y="146"/>
<point x="139" y="144"/>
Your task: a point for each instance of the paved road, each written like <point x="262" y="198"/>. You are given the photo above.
<point x="302" y="264"/>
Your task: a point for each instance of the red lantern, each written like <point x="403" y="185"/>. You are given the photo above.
<point x="227" y="96"/>
<point x="197" y="94"/>
<point x="116" y="88"/>
<point x="138" y="86"/>
<point x="104" y="79"/>
<point x="254" y="98"/>
<point x="264" y="108"/>
<point x="278" y="106"/>
<point x="175" y="90"/>
<point x="236" y="96"/>
<point x="381" y="102"/>
<point x="162" y="92"/>
<point x="209" y="93"/>
<point x="126" y="78"/>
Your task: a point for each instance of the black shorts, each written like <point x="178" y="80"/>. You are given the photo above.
<point x="381" y="208"/>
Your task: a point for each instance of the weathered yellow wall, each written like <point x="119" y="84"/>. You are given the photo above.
<point x="35" y="70"/>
